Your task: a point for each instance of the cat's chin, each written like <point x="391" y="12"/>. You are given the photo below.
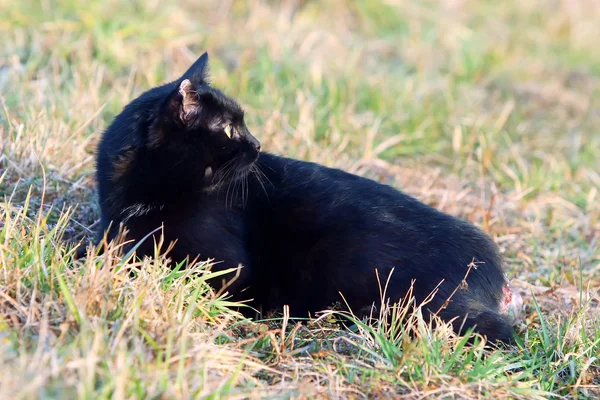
<point x="243" y="171"/>
<point x="249" y="160"/>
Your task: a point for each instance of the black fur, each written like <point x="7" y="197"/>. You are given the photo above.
<point x="303" y="232"/>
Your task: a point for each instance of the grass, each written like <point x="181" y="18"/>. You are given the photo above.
<point x="486" y="110"/>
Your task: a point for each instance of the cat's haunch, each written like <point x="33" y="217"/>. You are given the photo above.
<point x="180" y="156"/>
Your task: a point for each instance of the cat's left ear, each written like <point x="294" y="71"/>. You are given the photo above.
<point x="198" y="72"/>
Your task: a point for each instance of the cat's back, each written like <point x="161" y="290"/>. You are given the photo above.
<point x="337" y="197"/>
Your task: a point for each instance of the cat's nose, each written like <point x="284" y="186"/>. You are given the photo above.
<point x="254" y="142"/>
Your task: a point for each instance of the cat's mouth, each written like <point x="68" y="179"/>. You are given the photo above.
<point x="234" y="170"/>
<point x="208" y="173"/>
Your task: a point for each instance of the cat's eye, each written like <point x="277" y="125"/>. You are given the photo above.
<point x="228" y="130"/>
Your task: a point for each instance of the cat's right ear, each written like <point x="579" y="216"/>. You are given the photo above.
<point x="188" y="105"/>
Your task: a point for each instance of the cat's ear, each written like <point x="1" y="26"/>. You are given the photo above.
<point x="198" y="72"/>
<point x="189" y="102"/>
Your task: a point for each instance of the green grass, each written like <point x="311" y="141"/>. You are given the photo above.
<point x="487" y="110"/>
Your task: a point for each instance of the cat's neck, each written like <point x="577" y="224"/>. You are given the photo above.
<point x="154" y="184"/>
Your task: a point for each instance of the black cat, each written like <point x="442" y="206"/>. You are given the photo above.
<point x="180" y="156"/>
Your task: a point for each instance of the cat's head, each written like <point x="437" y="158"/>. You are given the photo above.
<point x="180" y="137"/>
<point x="205" y="121"/>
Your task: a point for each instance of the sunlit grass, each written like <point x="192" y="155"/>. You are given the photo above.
<point x="486" y="110"/>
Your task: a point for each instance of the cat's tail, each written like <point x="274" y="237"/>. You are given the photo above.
<point x="81" y="251"/>
<point x="494" y="326"/>
<point x="495" y="321"/>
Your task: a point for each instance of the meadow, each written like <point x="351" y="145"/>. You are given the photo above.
<point x="488" y="110"/>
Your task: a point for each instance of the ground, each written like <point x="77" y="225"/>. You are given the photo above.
<point x="486" y="110"/>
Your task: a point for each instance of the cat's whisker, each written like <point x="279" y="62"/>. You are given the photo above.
<point x="258" y="169"/>
<point x="232" y="170"/>
<point x="243" y="189"/>
<point x="244" y="186"/>
<point x="229" y="188"/>
<point x="235" y="188"/>
<point x="262" y="173"/>
<point x="247" y="189"/>
<point x="221" y="172"/>
<point x="237" y="183"/>
<point x="224" y="174"/>
<point x="216" y="179"/>
<point x="259" y="177"/>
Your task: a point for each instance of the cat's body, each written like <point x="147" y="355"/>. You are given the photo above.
<point x="181" y="157"/>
